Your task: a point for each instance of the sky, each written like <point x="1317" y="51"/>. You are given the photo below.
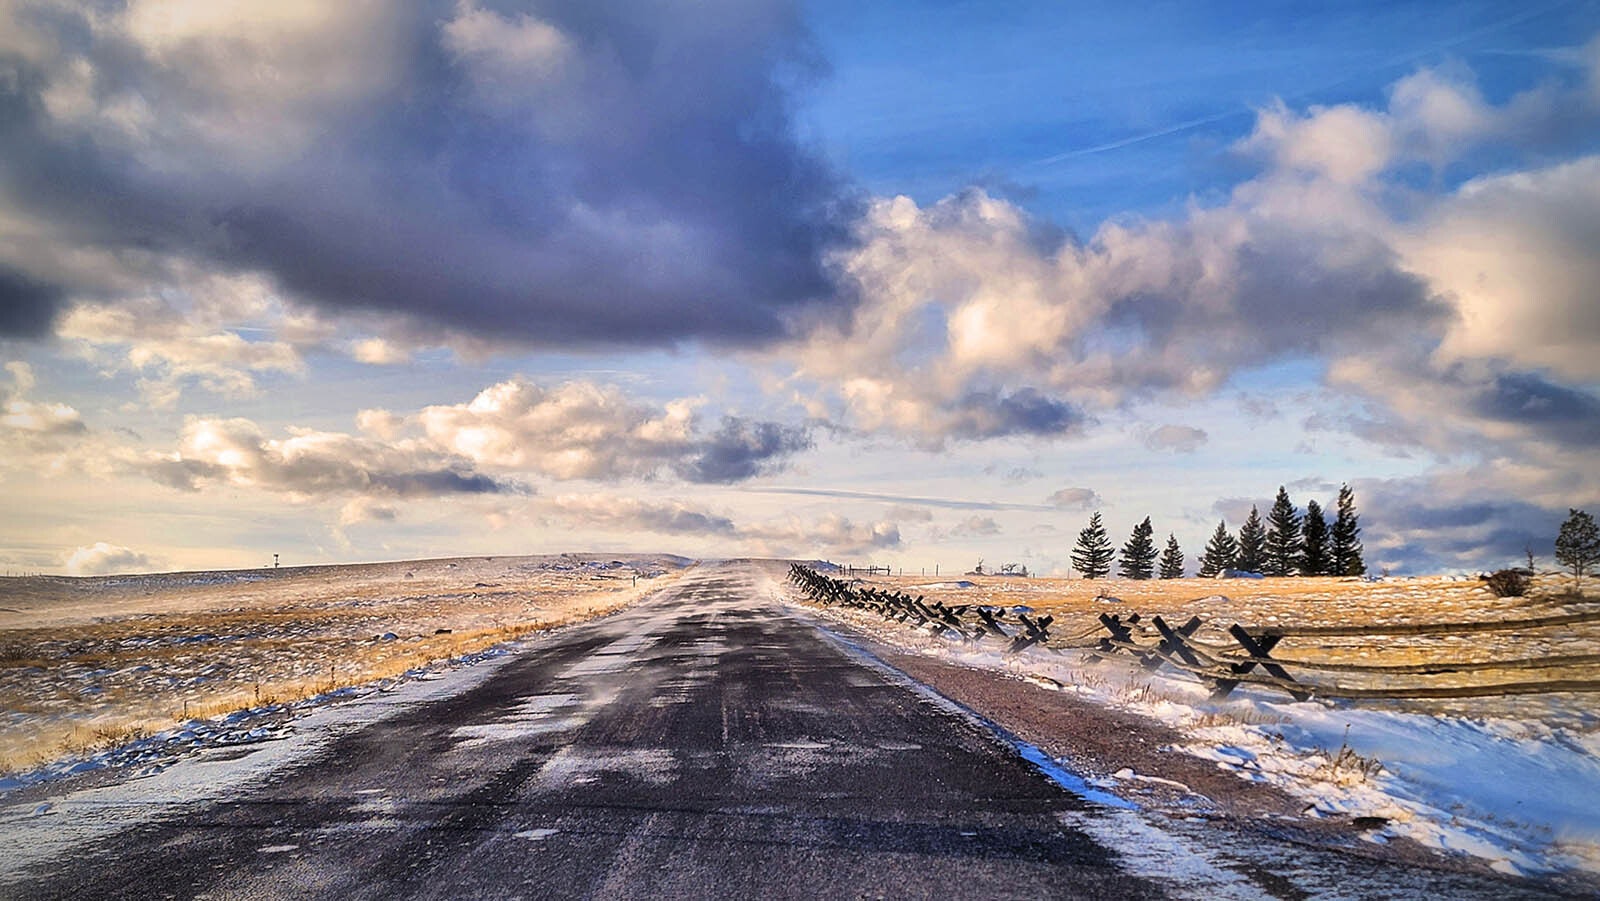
<point x="916" y="284"/>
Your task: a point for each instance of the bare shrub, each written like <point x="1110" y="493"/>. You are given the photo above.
<point x="1508" y="583"/>
<point x="15" y="652"/>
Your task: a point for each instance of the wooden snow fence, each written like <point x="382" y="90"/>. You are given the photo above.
<point x="1252" y="662"/>
<point x="1014" y="629"/>
<point x="1254" y="656"/>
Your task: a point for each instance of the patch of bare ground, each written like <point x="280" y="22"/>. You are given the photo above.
<point x="87" y="664"/>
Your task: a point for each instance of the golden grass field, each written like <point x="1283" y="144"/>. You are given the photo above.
<point x="89" y="663"/>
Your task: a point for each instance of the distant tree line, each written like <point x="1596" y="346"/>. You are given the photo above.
<point x="1287" y="543"/>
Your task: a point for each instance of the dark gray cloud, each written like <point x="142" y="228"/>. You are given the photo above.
<point x="1380" y="427"/>
<point x="1025" y="411"/>
<point x="975" y="527"/>
<point x="437" y="482"/>
<point x="1418" y="533"/>
<point x="1179" y="439"/>
<point x="1075" y="499"/>
<point x="744" y="448"/>
<point x="1316" y="485"/>
<point x="27" y="307"/>
<point x="580" y="430"/>
<point x="790" y="535"/>
<point x="1297" y="291"/>
<point x="320" y="477"/>
<point x="576" y="171"/>
<point x="1257" y="406"/>
<point x="103" y="558"/>
<point x="629" y="514"/>
<point x="1492" y="408"/>
<point x="1427" y="524"/>
<point x="1558" y="413"/>
<point x="1237" y="509"/>
<point x="307" y="464"/>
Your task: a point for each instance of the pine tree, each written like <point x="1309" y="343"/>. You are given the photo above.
<point x="1222" y="552"/>
<point x="1252" y="544"/>
<point x="1172" y="559"/>
<point x="1314" y="542"/>
<point x="1282" y="548"/>
<point x="1139" y="554"/>
<point x="1092" y="554"/>
<point x="1578" y="545"/>
<point x="1345" y="549"/>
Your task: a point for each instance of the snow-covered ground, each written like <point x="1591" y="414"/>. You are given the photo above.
<point x="1515" y="782"/>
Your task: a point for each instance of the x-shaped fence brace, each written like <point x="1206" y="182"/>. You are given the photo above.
<point x="1036" y="631"/>
<point x="1259" y="648"/>
<point x="1177" y="648"/>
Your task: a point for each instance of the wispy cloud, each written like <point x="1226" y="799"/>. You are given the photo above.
<point x="829" y="533"/>
<point x="907" y="499"/>
<point x="1180" y="439"/>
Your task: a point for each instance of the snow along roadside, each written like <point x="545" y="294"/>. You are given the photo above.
<point x="1514" y="793"/>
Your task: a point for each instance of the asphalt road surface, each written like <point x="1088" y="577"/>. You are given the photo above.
<point x="704" y="743"/>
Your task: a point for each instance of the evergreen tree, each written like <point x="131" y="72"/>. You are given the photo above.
<point x="1172" y="559"/>
<point x="1252" y="544"/>
<point x="1139" y="554"/>
<point x="1222" y="552"/>
<point x="1578" y="544"/>
<point x="1092" y="554"/>
<point x="1314" y="555"/>
<point x="1345" y="550"/>
<point x="1281" y="551"/>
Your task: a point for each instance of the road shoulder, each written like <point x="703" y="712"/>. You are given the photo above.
<point x="1137" y="758"/>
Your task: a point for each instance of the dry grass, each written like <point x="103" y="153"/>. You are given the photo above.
<point x="89" y="664"/>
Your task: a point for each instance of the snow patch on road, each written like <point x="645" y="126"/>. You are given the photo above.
<point x="537" y="835"/>
<point x="574" y="766"/>
<point x="1184" y="869"/>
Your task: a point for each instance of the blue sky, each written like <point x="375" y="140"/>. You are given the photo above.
<point x="1088" y="111"/>
<point x="910" y="283"/>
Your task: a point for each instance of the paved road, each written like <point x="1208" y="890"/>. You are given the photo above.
<point x="703" y="743"/>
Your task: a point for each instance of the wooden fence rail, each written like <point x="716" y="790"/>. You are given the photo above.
<point x="1513" y="625"/>
<point x="1226" y="668"/>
